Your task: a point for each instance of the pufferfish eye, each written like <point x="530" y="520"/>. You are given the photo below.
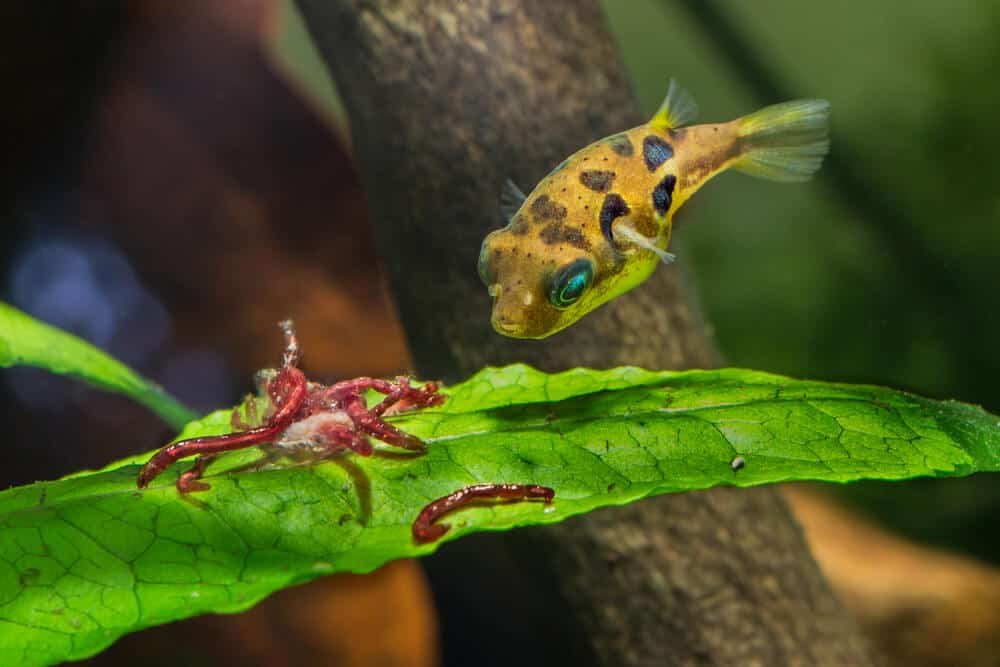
<point x="570" y="282"/>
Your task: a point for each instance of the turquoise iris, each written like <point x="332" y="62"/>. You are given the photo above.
<point x="570" y="282"/>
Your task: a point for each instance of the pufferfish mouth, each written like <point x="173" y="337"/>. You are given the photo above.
<point x="523" y="323"/>
<point x="521" y="334"/>
<point x="510" y="328"/>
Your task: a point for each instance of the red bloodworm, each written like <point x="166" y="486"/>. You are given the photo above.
<point x="215" y="444"/>
<point x="425" y="530"/>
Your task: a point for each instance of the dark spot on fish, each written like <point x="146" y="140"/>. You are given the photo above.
<point x="614" y="207"/>
<point x="620" y="144"/>
<point x="697" y="170"/>
<point x="519" y="226"/>
<point x="547" y="209"/>
<point x="597" y="180"/>
<point x="557" y="232"/>
<point x="663" y="194"/>
<point x="655" y="151"/>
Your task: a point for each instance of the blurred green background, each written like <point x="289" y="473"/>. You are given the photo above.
<point x="884" y="269"/>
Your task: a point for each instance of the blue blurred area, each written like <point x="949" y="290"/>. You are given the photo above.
<point x="80" y="282"/>
<point x="84" y="285"/>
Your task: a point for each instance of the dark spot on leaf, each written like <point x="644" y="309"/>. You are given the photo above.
<point x="655" y="151"/>
<point x="611" y="487"/>
<point x="547" y="209"/>
<point x="620" y="144"/>
<point x="597" y="180"/>
<point x="663" y="194"/>
<point x="28" y="576"/>
<point x="614" y="207"/>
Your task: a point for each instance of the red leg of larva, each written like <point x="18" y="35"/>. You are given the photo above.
<point x="424" y="528"/>
<point x="343" y="437"/>
<point x="374" y="426"/>
<point x="278" y="422"/>
<point x="404" y="398"/>
<point x="411" y="398"/>
<point x="213" y="444"/>
<point x="399" y="393"/>
<point x="393" y="397"/>
<point x="361" y="385"/>
<point x="188" y="481"/>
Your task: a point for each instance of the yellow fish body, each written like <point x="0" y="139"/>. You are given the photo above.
<point x="599" y="224"/>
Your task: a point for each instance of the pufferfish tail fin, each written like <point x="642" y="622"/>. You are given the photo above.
<point x="677" y="110"/>
<point x="784" y="142"/>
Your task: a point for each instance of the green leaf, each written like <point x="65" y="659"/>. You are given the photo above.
<point x="24" y="341"/>
<point x="88" y="558"/>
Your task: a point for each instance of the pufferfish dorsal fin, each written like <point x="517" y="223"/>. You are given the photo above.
<point x="678" y="109"/>
<point x="511" y="199"/>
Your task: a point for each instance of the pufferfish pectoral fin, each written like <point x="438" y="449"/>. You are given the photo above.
<point x="678" y="108"/>
<point x="511" y="199"/>
<point x="629" y="233"/>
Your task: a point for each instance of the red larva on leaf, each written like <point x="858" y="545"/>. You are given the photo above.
<point x="324" y="420"/>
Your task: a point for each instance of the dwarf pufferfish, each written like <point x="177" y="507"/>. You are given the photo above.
<point x="600" y="222"/>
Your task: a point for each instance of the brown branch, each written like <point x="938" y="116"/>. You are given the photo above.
<point x="447" y="99"/>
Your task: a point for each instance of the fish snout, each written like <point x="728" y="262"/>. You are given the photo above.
<point x="507" y="327"/>
<point x="519" y="314"/>
<point x="505" y="319"/>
